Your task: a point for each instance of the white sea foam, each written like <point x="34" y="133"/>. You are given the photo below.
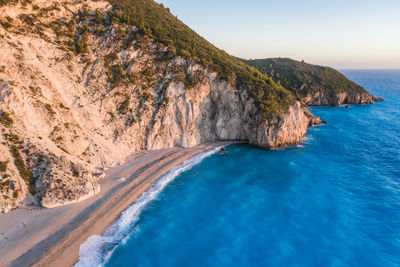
<point x="97" y="249"/>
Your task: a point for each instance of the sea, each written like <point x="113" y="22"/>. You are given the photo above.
<point x="333" y="200"/>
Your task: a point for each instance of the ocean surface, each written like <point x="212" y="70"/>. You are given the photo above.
<point x="333" y="200"/>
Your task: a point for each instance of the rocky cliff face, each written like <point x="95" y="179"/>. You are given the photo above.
<point x="288" y="131"/>
<point x="321" y="99"/>
<point x="66" y="115"/>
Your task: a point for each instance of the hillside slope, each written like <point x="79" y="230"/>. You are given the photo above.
<point x="85" y="83"/>
<point x="314" y="85"/>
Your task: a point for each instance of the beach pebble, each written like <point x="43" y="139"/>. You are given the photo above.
<point x="120" y="179"/>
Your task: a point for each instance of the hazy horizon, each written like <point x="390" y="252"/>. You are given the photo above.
<point x="351" y="34"/>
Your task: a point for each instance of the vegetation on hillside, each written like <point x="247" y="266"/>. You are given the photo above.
<point x="9" y="2"/>
<point x="154" y="21"/>
<point x="6" y="2"/>
<point x="5" y="119"/>
<point x="302" y="78"/>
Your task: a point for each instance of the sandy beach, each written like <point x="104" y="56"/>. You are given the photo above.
<point x="52" y="237"/>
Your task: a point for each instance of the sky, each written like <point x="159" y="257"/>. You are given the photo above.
<point x="345" y="34"/>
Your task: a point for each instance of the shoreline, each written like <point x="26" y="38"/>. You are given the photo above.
<point x="52" y="237"/>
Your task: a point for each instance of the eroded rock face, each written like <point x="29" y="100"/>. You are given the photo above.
<point x="217" y="111"/>
<point x="208" y="112"/>
<point x="288" y="131"/>
<point x="320" y="99"/>
<point x="313" y="121"/>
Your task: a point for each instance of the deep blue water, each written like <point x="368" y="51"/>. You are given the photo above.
<point x="332" y="201"/>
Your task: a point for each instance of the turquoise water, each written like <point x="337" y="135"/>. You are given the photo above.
<point x="332" y="201"/>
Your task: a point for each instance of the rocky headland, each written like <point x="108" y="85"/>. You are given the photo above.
<point x="314" y="85"/>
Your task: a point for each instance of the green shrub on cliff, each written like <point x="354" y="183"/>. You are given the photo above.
<point x="7" y="2"/>
<point x="20" y="163"/>
<point x="124" y="106"/>
<point x="5" y="119"/>
<point x="3" y="166"/>
<point x="81" y="44"/>
<point x="50" y="109"/>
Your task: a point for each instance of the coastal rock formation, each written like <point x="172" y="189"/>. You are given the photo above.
<point x="321" y="99"/>
<point x="313" y="120"/>
<point x="288" y="131"/>
<point x="80" y="91"/>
